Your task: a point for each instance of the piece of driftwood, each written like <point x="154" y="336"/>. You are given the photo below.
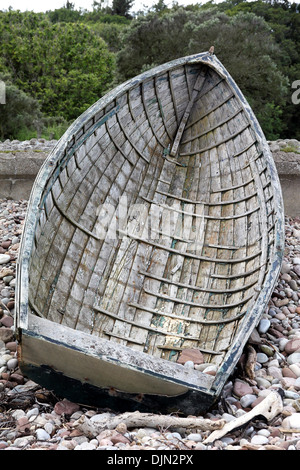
<point x="140" y="420"/>
<point x="249" y="446"/>
<point x="250" y="362"/>
<point x="270" y="407"/>
<point x="155" y="226"/>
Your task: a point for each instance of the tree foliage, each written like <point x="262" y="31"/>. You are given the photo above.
<point x="19" y="110"/>
<point x="65" y="66"/>
<point x="66" y="59"/>
<point x="121" y="7"/>
<point x="243" y="43"/>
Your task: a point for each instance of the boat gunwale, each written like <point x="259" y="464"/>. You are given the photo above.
<point x="59" y="155"/>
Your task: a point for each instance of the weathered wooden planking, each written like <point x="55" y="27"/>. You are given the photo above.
<point x="175" y="165"/>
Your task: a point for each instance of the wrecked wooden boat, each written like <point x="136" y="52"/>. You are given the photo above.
<point x="153" y="239"/>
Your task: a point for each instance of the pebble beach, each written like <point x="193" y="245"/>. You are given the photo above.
<point x="32" y="418"/>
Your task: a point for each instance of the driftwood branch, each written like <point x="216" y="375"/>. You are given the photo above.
<point x="270" y="407"/>
<point x="250" y="362"/>
<point x="139" y="420"/>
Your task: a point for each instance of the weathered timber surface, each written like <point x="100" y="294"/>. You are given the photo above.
<point x="155" y="225"/>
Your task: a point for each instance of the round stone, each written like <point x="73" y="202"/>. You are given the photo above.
<point x="189" y="365"/>
<point x="228" y="417"/>
<point x="262" y="382"/>
<point x="5" y="292"/>
<point x="262" y="358"/>
<point x="293" y="284"/>
<point x="49" y="428"/>
<point x="275" y="372"/>
<point x="6" y="335"/>
<point x="297" y="384"/>
<point x="285" y="267"/>
<point x="212" y="369"/>
<point x="2" y="363"/>
<point x="42" y="435"/>
<point x="294" y="358"/>
<point x="282" y="343"/>
<point x="15" y="240"/>
<point x="4" y="258"/>
<point x="267" y="350"/>
<point x="7" y="279"/>
<point x="264" y="432"/>
<point x="295" y="369"/>
<point x="32" y="412"/>
<point x="292" y="422"/>
<point x="292" y="346"/>
<point x="194" y="437"/>
<point x="85" y="446"/>
<point x="190" y="354"/>
<point x="264" y="325"/>
<point x="241" y="388"/>
<point x="259" y="440"/>
<point x="247" y="400"/>
<point x="7" y="321"/>
<point x="12" y="363"/>
<point x="291" y="394"/>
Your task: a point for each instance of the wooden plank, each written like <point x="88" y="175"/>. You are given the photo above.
<point x="187" y="319"/>
<point x="197" y="88"/>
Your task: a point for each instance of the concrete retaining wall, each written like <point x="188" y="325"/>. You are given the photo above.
<point x="20" y="162"/>
<point x="288" y="167"/>
<point x="18" y="171"/>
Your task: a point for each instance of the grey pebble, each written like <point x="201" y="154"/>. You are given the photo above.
<point x="264" y="325"/>
<point x="259" y="440"/>
<point x="294" y="284"/>
<point x="85" y="446"/>
<point x="291" y="394"/>
<point x="12" y="363"/>
<point x="194" y="437"/>
<point x="293" y="358"/>
<point x="262" y="382"/>
<point x="262" y="358"/>
<point x="42" y="435"/>
<point x="247" y="400"/>
<point x="268" y="371"/>
<point x="32" y="412"/>
<point x="189" y="365"/>
<point x="4" y="258"/>
<point x="2" y="362"/>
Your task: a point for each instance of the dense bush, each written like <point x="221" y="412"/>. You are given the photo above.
<point x="243" y="43"/>
<point x="65" y="66"/>
<point x="19" y="111"/>
<point x="66" y="59"/>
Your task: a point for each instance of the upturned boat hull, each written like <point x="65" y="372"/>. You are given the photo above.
<point x="153" y="240"/>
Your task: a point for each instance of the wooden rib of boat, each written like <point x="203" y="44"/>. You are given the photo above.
<point x="154" y="233"/>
